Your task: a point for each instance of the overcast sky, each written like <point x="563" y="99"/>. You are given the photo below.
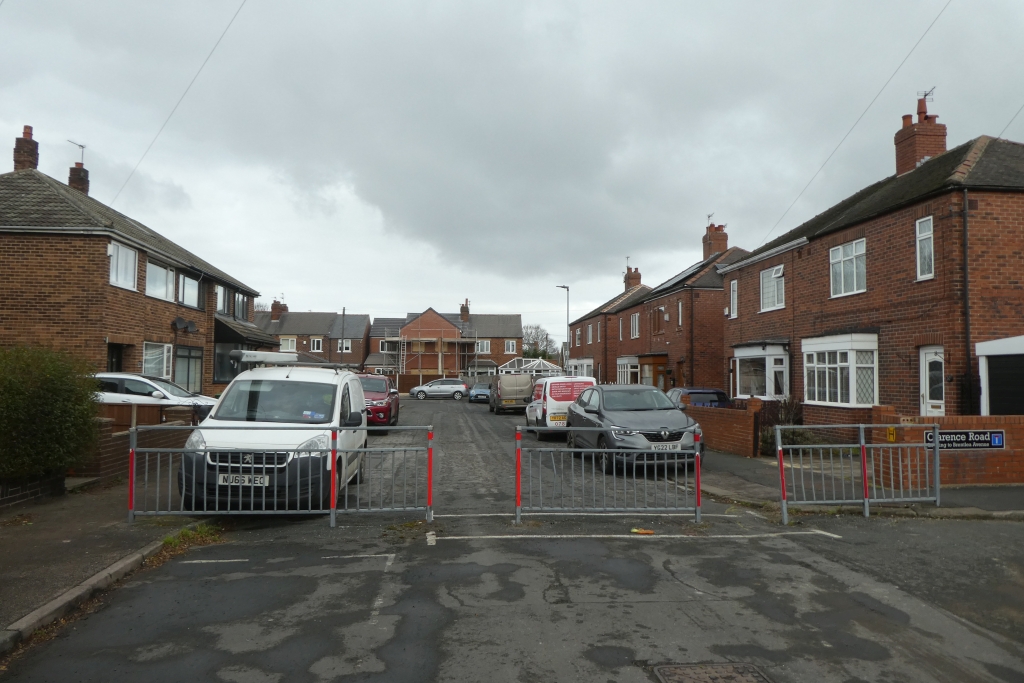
<point x="390" y="156"/>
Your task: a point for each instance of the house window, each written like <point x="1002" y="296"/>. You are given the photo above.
<point x="577" y="336"/>
<point x="761" y="371"/>
<point x="483" y="346"/>
<point x="679" y="304"/>
<point x="848" y="269"/>
<point x="225" y="369"/>
<point x="627" y="370"/>
<point x="188" y="367"/>
<point x="222" y="300"/>
<point x="590" y="334"/>
<point x="188" y="291"/>
<point x="159" y="281"/>
<point x="388" y="346"/>
<point x="634" y="326"/>
<point x="156" y="360"/>
<point x="510" y="346"/>
<point x="659" y="320"/>
<point x="620" y="329"/>
<point x="122" y="265"/>
<point x="773" y="289"/>
<point x="841" y="370"/>
<point x="734" y="299"/>
<point x="925" y="249"/>
<point x="598" y="331"/>
<point x="287" y="343"/>
<point x="344" y="346"/>
<point x="316" y="344"/>
<point x="241" y="306"/>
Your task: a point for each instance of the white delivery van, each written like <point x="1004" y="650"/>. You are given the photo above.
<point x="551" y="399"/>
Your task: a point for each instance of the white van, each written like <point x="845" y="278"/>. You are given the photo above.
<point x="551" y="399"/>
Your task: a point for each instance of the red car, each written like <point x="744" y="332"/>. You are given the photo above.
<point x="381" y="396"/>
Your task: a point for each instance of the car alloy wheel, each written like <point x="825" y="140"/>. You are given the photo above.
<point x="421" y="395"/>
<point x="607" y="460"/>
<point x="457" y="395"/>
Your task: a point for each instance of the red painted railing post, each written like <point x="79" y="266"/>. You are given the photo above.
<point x="864" y="472"/>
<point x="782" y="476"/>
<point x="696" y="471"/>
<point x="430" y="473"/>
<point x="519" y="476"/>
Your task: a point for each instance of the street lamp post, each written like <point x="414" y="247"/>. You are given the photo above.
<point x="568" y="332"/>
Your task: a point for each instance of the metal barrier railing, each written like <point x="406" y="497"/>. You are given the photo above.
<point x="855" y="465"/>
<point x="314" y="477"/>
<point x="603" y="480"/>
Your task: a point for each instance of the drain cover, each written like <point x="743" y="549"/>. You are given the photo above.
<point x="710" y="673"/>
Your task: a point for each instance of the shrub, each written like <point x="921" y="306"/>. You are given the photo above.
<point x="47" y="412"/>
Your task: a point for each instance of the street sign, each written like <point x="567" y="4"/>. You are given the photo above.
<point x="969" y="439"/>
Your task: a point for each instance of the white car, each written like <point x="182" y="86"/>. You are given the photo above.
<point x="263" y="466"/>
<point x="551" y="399"/>
<point x="126" y="387"/>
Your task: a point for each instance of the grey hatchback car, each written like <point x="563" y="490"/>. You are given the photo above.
<point x="441" y="388"/>
<point x="632" y="424"/>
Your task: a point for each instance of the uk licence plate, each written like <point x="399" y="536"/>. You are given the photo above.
<point x="244" y="480"/>
<point x="557" y="419"/>
<point x="508" y="401"/>
<point x="665" y="447"/>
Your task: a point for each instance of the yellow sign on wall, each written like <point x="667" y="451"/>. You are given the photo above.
<point x="890" y="433"/>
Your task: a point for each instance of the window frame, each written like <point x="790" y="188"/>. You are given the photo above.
<point x="483" y="346"/>
<point x="634" y="325"/>
<point x="734" y="298"/>
<point x="223" y="300"/>
<point x="776" y="275"/>
<point x="344" y="346"/>
<point x="590" y="333"/>
<point x="850" y="345"/>
<point x="113" y="251"/>
<point x="770" y="355"/>
<point x="167" y="274"/>
<point x="918" y="239"/>
<point x="316" y="344"/>
<point x="679" y="304"/>
<point x="578" y="333"/>
<point x="166" y="350"/>
<point x="182" y="277"/>
<point x="289" y="347"/>
<point x="841" y="261"/>
<point x="510" y="347"/>
<point x="244" y="300"/>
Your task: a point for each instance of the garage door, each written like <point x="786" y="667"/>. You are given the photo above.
<point x="1006" y="385"/>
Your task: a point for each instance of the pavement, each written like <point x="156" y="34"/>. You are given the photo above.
<point x="564" y="597"/>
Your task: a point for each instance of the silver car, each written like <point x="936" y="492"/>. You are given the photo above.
<point x="126" y="387"/>
<point x="441" y="388"/>
<point x="632" y="424"/>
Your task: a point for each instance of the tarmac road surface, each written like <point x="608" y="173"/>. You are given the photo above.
<point x="559" y="598"/>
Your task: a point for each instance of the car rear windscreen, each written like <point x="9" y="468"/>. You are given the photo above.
<point x="709" y="399"/>
<point x="567" y="391"/>
<point x="262" y="400"/>
<point x="379" y="386"/>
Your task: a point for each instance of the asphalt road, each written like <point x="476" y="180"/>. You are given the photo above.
<point x="559" y="598"/>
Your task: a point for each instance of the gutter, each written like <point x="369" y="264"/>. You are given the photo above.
<point x="781" y="249"/>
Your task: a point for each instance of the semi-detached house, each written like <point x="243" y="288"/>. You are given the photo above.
<point x="892" y="296"/>
<point x="318" y="337"/>
<point x="82" y="277"/>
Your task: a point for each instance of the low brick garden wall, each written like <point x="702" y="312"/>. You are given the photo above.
<point x="730" y="430"/>
<point x="21" y="490"/>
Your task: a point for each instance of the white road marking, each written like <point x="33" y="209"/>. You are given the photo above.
<point x="379" y="600"/>
<point x="431" y="538"/>
<point x="583" y="512"/>
<point x="675" y="537"/>
<point x="212" y="561"/>
<point x="349" y="557"/>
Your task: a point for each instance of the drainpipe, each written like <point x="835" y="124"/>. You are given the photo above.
<point x="693" y="380"/>
<point x="967" y="314"/>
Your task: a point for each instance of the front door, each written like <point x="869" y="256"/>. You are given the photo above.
<point x="933" y="387"/>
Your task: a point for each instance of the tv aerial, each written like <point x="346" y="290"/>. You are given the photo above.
<point x="81" y="148"/>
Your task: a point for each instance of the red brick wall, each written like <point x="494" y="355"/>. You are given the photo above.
<point x="730" y="430"/>
<point x="110" y="461"/>
<point x="996" y="466"/>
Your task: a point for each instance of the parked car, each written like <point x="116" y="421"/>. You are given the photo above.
<point x="481" y="392"/>
<point x="715" y="398"/>
<point x="638" y="423"/>
<point x="510" y="392"/>
<point x="125" y="387"/>
<point x="551" y="398"/>
<point x="260" y="467"/>
<point x="381" y="397"/>
<point x="441" y="388"/>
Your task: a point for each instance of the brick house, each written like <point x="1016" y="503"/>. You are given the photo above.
<point x="866" y="303"/>
<point x="328" y="337"/>
<point x="82" y="277"/>
<point x="432" y="344"/>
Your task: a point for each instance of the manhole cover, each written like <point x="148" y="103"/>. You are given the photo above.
<point x="710" y="673"/>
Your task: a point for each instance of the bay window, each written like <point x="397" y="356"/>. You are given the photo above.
<point x="761" y="370"/>
<point x="841" y="370"/>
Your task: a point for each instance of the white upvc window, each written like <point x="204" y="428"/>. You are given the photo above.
<point x="761" y="371"/>
<point x="156" y="360"/>
<point x="316" y="344"/>
<point x="634" y="326"/>
<point x="241" y="306"/>
<point x="344" y="346"/>
<point x="590" y="334"/>
<point x="841" y="370"/>
<point x="188" y="291"/>
<point x="679" y="304"/>
<point x="598" y="331"/>
<point x="925" y="249"/>
<point x="848" y="268"/>
<point x="734" y="298"/>
<point x="483" y="346"/>
<point x="123" y="265"/>
<point x="578" y="332"/>
<point x="627" y="370"/>
<point x="159" y="281"/>
<point x="223" y="299"/>
<point x="620" y="329"/>
<point x="773" y="289"/>
<point x="510" y="346"/>
<point x="287" y="343"/>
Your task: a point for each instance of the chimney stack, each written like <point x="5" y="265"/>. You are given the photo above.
<point x="464" y="312"/>
<point x="632" y="277"/>
<point x="79" y="178"/>
<point x="276" y="309"/>
<point x="26" y="151"/>
<point x="715" y="240"/>
<point x="918" y="142"/>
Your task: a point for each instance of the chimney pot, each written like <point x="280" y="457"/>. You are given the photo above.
<point x="464" y="312"/>
<point x="27" y="132"/>
<point x="917" y="142"/>
<point x="908" y="120"/>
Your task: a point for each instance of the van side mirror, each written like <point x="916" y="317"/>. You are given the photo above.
<point x="354" y="419"/>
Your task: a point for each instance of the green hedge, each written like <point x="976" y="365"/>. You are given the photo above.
<point x="47" y="412"/>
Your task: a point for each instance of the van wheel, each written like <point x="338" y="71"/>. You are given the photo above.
<point x="490" y="407"/>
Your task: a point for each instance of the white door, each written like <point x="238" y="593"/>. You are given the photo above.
<point x="933" y="386"/>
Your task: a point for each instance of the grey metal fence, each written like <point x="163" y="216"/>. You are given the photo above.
<point x="311" y="478"/>
<point x="566" y="478"/>
<point x="857" y="465"/>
